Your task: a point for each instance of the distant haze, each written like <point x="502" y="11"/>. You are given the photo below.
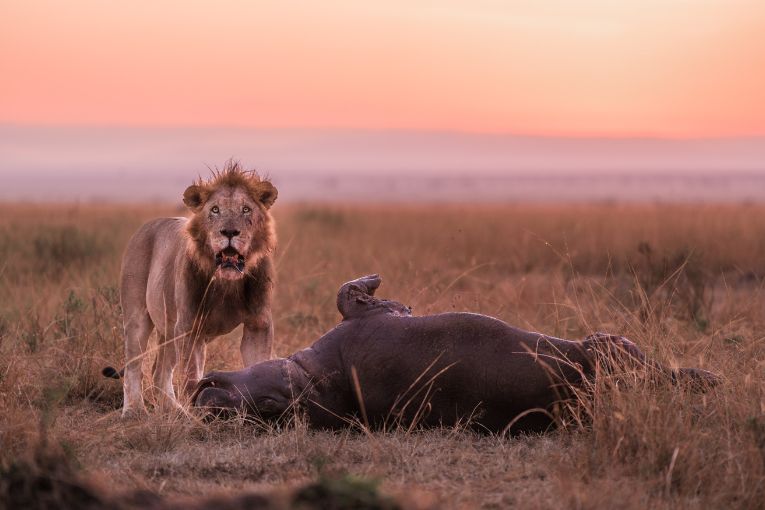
<point x="140" y="164"/>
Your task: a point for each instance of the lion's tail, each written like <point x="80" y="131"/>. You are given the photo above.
<point x="112" y="372"/>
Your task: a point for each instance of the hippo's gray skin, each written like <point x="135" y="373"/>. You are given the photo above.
<point x="433" y="370"/>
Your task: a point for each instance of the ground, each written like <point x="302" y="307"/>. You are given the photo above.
<point x="685" y="282"/>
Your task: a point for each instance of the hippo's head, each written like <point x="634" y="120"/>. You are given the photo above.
<point x="262" y="391"/>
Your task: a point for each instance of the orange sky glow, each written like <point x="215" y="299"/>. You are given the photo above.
<point x="674" y="68"/>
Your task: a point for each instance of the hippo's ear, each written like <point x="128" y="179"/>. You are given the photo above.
<point x="195" y="197"/>
<point x="266" y="193"/>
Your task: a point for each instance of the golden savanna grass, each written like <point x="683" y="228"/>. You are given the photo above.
<point x="685" y="282"/>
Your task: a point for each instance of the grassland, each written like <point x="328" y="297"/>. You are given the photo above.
<point x="686" y="282"/>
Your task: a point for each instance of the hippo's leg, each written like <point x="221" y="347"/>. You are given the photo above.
<point x="619" y="352"/>
<point x="618" y="349"/>
<point x="356" y="292"/>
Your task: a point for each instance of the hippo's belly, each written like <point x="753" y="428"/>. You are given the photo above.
<point x="444" y="369"/>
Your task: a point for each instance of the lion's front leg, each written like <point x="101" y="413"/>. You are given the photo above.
<point x="193" y="353"/>
<point x="164" y="366"/>
<point x="257" y="339"/>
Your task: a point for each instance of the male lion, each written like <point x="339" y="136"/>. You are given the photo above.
<point x="196" y="278"/>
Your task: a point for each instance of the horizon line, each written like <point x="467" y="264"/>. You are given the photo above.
<point x="372" y="130"/>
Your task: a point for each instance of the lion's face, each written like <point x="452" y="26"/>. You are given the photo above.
<point x="231" y="228"/>
<point x="231" y="219"/>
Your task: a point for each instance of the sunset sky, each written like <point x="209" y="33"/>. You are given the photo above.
<point x="667" y="68"/>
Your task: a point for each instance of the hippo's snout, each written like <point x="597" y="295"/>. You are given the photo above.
<point x="217" y="402"/>
<point x="213" y="392"/>
<point x="213" y="397"/>
<point x="261" y="391"/>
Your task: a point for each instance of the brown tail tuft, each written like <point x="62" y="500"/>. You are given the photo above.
<point x="112" y="372"/>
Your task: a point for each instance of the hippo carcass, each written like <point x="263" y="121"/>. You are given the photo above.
<point x="381" y="365"/>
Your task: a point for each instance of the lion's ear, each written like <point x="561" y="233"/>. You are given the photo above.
<point x="266" y="193"/>
<point x="194" y="197"/>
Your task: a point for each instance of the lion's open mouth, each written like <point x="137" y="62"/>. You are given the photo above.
<point x="230" y="258"/>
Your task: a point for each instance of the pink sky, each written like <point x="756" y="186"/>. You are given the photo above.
<point x="673" y="68"/>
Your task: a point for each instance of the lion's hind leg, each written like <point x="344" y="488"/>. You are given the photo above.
<point x="138" y="327"/>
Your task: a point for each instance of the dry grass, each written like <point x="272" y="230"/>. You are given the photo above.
<point x="684" y="282"/>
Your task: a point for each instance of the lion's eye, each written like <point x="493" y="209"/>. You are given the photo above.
<point x="215" y="209"/>
<point x="246" y="209"/>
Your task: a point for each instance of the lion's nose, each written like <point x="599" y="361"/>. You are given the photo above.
<point x="230" y="233"/>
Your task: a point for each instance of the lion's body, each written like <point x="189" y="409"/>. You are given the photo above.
<point x="194" y="279"/>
